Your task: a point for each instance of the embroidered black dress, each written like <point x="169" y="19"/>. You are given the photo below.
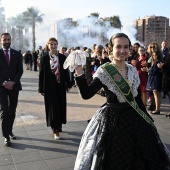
<point x="117" y="137"/>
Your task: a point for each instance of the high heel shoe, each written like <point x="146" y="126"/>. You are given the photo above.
<point x="155" y="112"/>
<point x="56" y="136"/>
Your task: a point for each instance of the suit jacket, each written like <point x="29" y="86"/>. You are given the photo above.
<point x="14" y="71"/>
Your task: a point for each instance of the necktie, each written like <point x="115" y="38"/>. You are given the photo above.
<point x="7" y="56"/>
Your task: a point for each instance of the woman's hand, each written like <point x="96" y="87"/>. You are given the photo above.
<point x="160" y="65"/>
<point x="144" y="63"/>
<point x="144" y="69"/>
<point x="79" y="70"/>
<point x="133" y="62"/>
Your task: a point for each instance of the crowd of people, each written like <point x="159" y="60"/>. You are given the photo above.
<point x="152" y="63"/>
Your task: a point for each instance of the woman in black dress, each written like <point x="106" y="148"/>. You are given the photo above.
<point x="53" y="83"/>
<point x="121" y="135"/>
<point x="155" y="81"/>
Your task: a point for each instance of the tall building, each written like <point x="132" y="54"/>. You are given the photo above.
<point x="152" y="29"/>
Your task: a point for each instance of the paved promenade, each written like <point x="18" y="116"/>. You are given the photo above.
<point x="35" y="148"/>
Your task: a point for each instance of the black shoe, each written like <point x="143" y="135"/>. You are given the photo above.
<point x="7" y="142"/>
<point x="12" y="136"/>
<point x="155" y="112"/>
<point x="167" y="115"/>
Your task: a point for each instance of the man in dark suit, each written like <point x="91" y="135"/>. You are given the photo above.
<point x="11" y="70"/>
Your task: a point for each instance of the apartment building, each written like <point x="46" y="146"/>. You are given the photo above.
<point x="152" y="29"/>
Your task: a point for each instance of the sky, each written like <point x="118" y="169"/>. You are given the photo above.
<point x="127" y="10"/>
<point x="53" y="10"/>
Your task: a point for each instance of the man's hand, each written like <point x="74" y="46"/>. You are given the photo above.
<point x="68" y="89"/>
<point x="9" y="85"/>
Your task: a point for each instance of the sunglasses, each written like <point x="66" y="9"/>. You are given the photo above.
<point x="152" y="46"/>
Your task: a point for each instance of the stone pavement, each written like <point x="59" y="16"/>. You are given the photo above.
<point x="35" y="148"/>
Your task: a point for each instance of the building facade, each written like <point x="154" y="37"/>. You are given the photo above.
<point x="152" y="29"/>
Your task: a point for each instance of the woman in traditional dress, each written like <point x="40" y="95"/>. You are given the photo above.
<point x="53" y="83"/>
<point x="121" y="135"/>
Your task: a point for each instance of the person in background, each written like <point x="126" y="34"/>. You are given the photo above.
<point x="121" y="135"/>
<point x="11" y="70"/>
<point x="93" y="48"/>
<point x="129" y="55"/>
<point x="155" y="81"/>
<point x="63" y="50"/>
<point x="53" y="83"/>
<point x="152" y="48"/>
<point x="27" y="58"/>
<point x="165" y="66"/>
<point x="35" y="57"/>
<point x="105" y="57"/>
<point x="30" y="61"/>
<point x="165" y="57"/>
<point x="87" y="52"/>
<point x="96" y="58"/>
<point x="141" y="65"/>
<point x="134" y="54"/>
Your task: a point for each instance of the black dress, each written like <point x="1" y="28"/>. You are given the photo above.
<point x="125" y="141"/>
<point x="54" y="92"/>
<point x="154" y="78"/>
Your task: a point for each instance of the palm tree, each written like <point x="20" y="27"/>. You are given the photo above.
<point x="31" y="17"/>
<point x="94" y="14"/>
<point x="115" y="22"/>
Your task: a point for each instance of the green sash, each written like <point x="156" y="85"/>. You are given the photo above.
<point x="124" y="88"/>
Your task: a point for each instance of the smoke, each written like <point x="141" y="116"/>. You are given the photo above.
<point x="83" y="32"/>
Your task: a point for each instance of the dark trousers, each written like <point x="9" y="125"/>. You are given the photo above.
<point x="57" y="128"/>
<point x="35" y="65"/>
<point x="8" y="104"/>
